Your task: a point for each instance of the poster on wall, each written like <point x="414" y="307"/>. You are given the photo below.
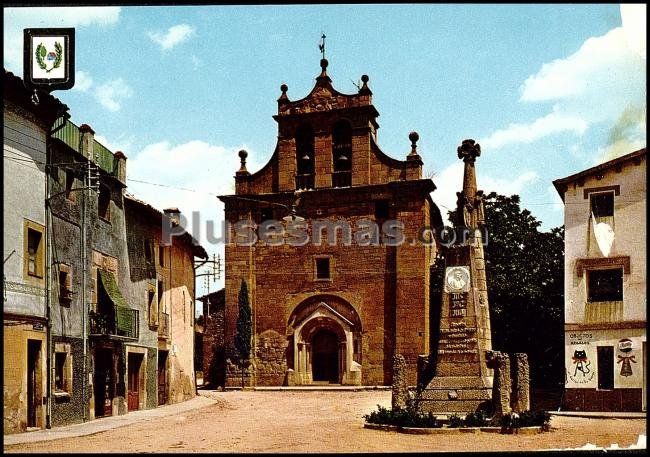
<point x="625" y="356"/>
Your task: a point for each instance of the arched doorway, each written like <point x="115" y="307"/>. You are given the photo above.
<point x="325" y="339"/>
<point x="325" y="356"/>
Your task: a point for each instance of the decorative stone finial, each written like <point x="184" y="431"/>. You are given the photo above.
<point x="242" y="155"/>
<point x="414" y="137"/>
<point x="83" y="128"/>
<point x="364" y="89"/>
<point x="469" y="150"/>
<point x="283" y="98"/>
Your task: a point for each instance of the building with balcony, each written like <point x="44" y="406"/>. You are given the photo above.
<point x="114" y="349"/>
<point x="605" y="285"/>
<point x="330" y="313"/>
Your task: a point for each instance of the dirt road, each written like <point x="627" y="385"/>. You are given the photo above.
<point x="319" y="422"/>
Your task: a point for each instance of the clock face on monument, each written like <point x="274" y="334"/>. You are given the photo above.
<point x="457" y="279"/>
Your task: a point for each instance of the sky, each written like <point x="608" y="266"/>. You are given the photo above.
<point x="546" y="90"/>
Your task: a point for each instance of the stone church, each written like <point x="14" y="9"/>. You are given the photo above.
<point x="328" y="312"/>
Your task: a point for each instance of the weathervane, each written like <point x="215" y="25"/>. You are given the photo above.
<point x="321" y="45"/>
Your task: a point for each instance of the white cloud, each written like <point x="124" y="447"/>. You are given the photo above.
<point x="16" y="19"/>
<point x="596" y="84"/>
<point x="527" y="133"/>
<point x="601" y="63"/>
<point x="111" y="93"/>
<point x="175" y="35"/>
<point x="633" y="16"/>
<point x="193" y="174"/>
<point x="82" y="81"/>
<point x="450" y="181"/>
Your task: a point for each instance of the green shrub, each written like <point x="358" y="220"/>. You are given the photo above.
<point x="476" y="419"/>
<point x="402" y="418"/>
<point x="527" y="418"/>
<point x="455" y="421"/>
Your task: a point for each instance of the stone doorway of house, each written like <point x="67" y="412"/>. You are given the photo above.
<point x="325" y="357"/>
<point x="162" y="377"/>
<point x="33" y="365"/>
<point x="103" y="382"/>
<point x="134" y="363"/>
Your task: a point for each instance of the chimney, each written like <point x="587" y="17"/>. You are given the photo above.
<point x="121" y="166"/>
<point x="174" y="214"/>
<point x="87" y="141"/>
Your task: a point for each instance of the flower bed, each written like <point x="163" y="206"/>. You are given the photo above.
<point x="409" y="420"/>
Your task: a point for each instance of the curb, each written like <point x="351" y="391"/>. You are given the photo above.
<point x="599" y="415"/>
<point x="453" y="431"/>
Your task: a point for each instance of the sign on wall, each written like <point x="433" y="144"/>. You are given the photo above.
<point x="48" y="60"/>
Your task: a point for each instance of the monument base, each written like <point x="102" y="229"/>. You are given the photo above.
<point x="456" y="394"/>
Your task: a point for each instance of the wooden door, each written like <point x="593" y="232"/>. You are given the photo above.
<point x="162" y="377"/>
<point x="134" y="361"/>
<point x="103" y="382"/>
<point x="33" y="354"/>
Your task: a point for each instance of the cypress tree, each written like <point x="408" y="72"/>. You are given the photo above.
<point x="243" y="336"/>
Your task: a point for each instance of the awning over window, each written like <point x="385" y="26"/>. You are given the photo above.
<point x="125" y="319"/>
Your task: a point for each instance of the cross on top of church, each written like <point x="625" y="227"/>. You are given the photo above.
<point x="321" y="45"/>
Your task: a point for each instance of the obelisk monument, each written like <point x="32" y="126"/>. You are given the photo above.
<point x="462" y="382"/>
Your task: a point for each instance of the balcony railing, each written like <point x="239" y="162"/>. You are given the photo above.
<point x="163" y="326"/>
<point x="305" y="181"/>
<point x="342" y="179"/>
<point x="122" y="322"/>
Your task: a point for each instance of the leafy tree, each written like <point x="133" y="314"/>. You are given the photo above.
<point x="525" y="277"/>
<point x="244" y="325"/>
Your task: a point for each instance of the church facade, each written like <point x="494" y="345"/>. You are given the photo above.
<point x="331" y="239"/>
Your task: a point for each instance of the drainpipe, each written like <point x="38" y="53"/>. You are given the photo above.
<point x="87" y="138"/>
<point x="48" y="301"/>
<point x="62" y="112"/>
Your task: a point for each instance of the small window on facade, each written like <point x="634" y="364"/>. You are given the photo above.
<point x="323" y="268"/>
<point x="153" y="308"/>
<point x="148" y="251"/>
<point x="161" y="255"/>
<point x="160" y="295"/>
<point x="65" y="285"/>
<point x="34" y="254"/>
<point x="59" y="367"/>
<point x="605" y="285"/>
<point x="605" y="367"/>
<point x="104" y="202"/>
<point x="62" y="370"/>
<point x="381" y="210"/>
<point x="69" y="183"/>
<point x="602" y="204"/>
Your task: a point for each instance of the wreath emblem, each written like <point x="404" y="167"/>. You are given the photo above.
<point x="42" y="54"/>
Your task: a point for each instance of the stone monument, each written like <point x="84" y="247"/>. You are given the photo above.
<point x="462" y="380"/>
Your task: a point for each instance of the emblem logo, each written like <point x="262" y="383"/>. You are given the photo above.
<point x="56" y="56"/>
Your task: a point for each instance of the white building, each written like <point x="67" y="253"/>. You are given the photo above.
<point x="26" y="126"/>
<point x="605" y="285"/>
